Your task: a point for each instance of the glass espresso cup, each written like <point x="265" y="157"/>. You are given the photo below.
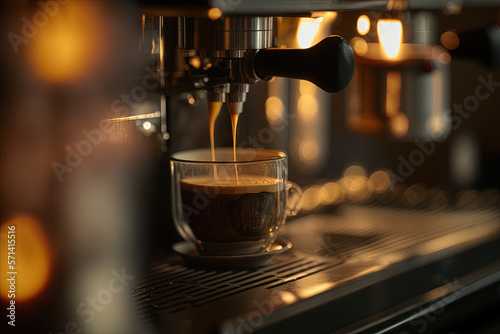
<point x="228" y="207"/>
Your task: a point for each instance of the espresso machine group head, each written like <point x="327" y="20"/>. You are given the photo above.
<point x="239" y="49"/>
<point x="234" y="50"/>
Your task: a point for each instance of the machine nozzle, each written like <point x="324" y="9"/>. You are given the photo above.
<point x="235" y="107"/>
<point x="218" y="93"/>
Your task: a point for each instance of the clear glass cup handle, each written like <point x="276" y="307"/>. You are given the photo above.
<point x="294" y="202"/>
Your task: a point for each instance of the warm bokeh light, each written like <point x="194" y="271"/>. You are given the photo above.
<point x="70" y="44"/>
<point x="390" y="34"/>
<point x="414" y="195"/>
<point x="309" y="151"/>
<point x="355" y="183"/>
<point x="438" y="199"/>
<point x="147" y="125"/>
<point x="467" y="198"/>
<point x="287" y="297"/>
<point x="307" y="88"/>
<point x="360" y="46"/>
<point x="311" y="198"/>
<point x="399" y="124"/>
<point x="444" y="57"/>
<point x="355" y="170"/>
<point x="308" y="28"/>
<point x="195" y="62"/>
<point x="355" y="187"/>
<point x="363" y="25"/>
<point x="214" y="13"/>
<point x="327" y="16"/>
<point x="33" y="262"/>
<point x="307" y="106"/>
<point x="331" y="193"/>
<point x="274" y="110"/>
<point x="450" y="40"/>
<point x="393" y="93"/>
<point x="380" y="182"/>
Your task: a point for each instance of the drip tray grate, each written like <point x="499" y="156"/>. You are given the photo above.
<point x="173" y="287"/>
<point x="320" y="243"/>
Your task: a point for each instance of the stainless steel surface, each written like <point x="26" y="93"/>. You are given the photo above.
<point x="332" y="257"/>
<point x="299" y="6"/>
<point x="408" y="98"/>
<point x="281" y="7"/>
<point x="424" y="28"/>
<point x="294" y="7"/>
<point x="224" y="42"/>
<point x="225" y="38"/>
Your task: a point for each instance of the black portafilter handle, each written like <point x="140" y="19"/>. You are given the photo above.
<point x="482" y="45"/>
<point x="328" y="64"/>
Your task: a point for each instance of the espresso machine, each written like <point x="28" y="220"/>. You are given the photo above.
<point x="372" y="252"/>
<point x="387" y="111"/>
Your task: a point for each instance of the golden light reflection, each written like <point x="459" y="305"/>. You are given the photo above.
<point x="355" y="170"/>
<point x="390" y="34"/>
<point x="444" y="57"/>
<point x="380" y="182"/>
<point x="399" y="124"/>
<point x="307" y="88"/>
<point x="32" y="256"/>
<point x="393" y="93"/>
<point x="195" y="62"/>
<point x="331" y="193"/>
<point x="414" y="195"/>
<point x="287" y="297"/>
<point x="309" y="151"/>
<point x="355" y="184"/>
<point x="360" y="46"/>
<point x="69" y="44"/>
<point x="450" y="40"/>
<point x="214" y="13"/>
<point x="327" y="16"/>
<point x="136" y="117"/>
<point x="311" y="198"/>
<point x="463" y="236"/>
<point x="313" y="290"/>
<point x="147" y="125"/>
<point x="467" y="198"/>
<point x="363" y="25"/>
<point x="307" y="106"/>
<point x="438" y="198"/>
<point x="307" y="30"/>
<point x="274" y="110"/>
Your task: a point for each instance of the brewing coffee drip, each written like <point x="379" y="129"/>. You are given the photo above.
<point x="240" y="53"/>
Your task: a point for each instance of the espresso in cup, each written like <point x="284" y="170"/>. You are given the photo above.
<point x="230" y="213"/>
<point x="228" y="207"/>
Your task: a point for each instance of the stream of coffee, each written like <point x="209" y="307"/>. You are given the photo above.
<point x="234" y="123"/>
<point x="213" y="112"/>
<point x="214" y="109"/>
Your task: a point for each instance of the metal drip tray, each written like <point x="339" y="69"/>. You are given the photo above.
<point x="380" y="256"/>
